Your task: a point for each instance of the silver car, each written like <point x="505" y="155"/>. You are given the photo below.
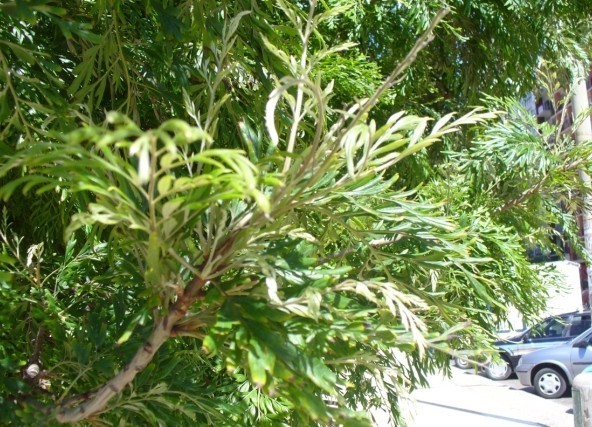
<point x="551" y="370"/>
<point x="552" y="331"/>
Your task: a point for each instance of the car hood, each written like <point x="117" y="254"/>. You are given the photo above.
<point x="514" y="339"/>
<point x="556" y="352"/>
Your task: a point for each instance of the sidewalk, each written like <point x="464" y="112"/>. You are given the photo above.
<point x="469" y="400"/>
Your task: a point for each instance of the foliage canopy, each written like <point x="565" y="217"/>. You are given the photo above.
<point x="216" y="213"/>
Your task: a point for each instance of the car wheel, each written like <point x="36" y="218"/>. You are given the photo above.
<point x="550" y="383"/>
<point x="498" y="371"/>
<point x="462" y="363"/>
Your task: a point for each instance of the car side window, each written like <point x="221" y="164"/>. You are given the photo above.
<point x="580" y="323"/>
<point x="550" y="328"/>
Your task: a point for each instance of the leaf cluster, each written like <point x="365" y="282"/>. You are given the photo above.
<point x="250" y="185"/>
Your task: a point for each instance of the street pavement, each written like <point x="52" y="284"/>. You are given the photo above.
<point x="469" y="399"/>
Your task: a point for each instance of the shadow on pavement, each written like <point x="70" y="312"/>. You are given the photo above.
<point x="531" y="391"/>
<point x="484" y="414"/>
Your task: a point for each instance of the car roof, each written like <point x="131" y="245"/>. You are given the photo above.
<point x="569" y="313"/>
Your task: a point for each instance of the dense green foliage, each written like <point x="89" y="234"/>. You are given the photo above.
<point x="216" y="212"/>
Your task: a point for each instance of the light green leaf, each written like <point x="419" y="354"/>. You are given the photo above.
<point x="164" y="184"/>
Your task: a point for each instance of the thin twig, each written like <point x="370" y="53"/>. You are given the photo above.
<point x="300" y="93"/>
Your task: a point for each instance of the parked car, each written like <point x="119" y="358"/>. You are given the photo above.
<point x="551" y="370"/>
<point x="464" y="361"/>
<point x="549" y="332"/>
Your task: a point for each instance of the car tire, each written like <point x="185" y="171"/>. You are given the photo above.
<point x="550" y="383"/>
<point x="462" y="363"/>
<point x="498" y="371"/>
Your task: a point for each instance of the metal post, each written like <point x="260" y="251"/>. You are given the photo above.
<point x="582" y="398"/>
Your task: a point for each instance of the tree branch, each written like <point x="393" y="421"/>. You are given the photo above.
<point x="375" y="244"/>
<point x="162" y="331"/>
<point x="522" y="197"/>
<point x="144" y="355"/>
<point x="409" y="59"/>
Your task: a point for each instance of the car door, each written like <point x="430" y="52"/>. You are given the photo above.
<point x="581" y="357"/>
<point x="580" y="323"/>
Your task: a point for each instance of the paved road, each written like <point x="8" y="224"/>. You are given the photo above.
<point x="514" y="384"/>
<point x="472" y="400"/>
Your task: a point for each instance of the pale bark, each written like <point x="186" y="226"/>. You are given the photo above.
<point x="144" y="355"/>
<point x="583" y="132"/>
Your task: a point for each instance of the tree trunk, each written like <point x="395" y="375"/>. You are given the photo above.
<point x="583" y="132"/>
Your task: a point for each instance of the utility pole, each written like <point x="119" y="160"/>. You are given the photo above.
<point x="583" y="132"/>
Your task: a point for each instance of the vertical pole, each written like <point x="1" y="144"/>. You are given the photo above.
<point x="582" y="396"/>
<point x="583" y="132"/>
